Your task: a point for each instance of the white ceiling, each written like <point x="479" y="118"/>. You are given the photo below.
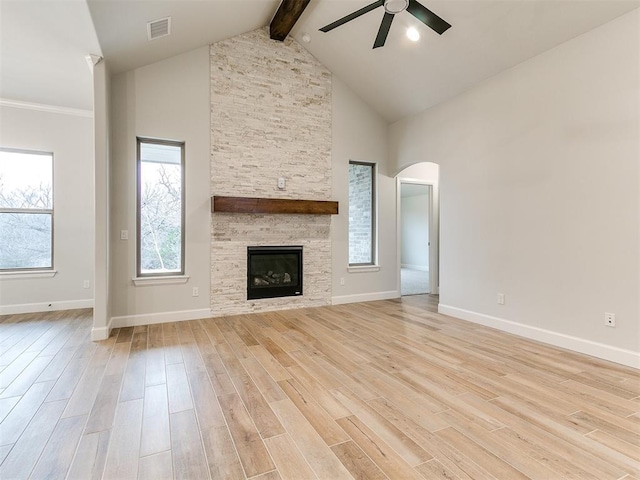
<point x="43" y="43"/>
<point x="487" y="36"/>
<point x="122" y="26"/>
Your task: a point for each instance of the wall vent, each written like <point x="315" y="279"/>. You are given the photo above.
<point x="158" y="28"/>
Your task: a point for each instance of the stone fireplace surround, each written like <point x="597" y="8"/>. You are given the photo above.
<point x="270" y="118"/>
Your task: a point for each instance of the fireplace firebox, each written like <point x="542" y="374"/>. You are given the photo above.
<point x="274" y="272"/>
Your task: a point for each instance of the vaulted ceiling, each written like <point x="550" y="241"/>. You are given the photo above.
<point x="43" y="43"/>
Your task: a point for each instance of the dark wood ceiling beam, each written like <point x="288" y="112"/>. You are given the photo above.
<point x="286" y="17"/>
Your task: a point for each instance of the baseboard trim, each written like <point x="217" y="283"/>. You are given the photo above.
<point x="102" y="333"/>
<point x="576" y="344"/>
<point x="365" y="297"/>
<point x="420" y="268"/>
<point x="45" y="306"/>
<point x="161" y="317"/>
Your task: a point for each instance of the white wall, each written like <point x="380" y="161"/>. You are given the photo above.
<point x="539" y="193"/>
<point x="361" y="134"/>
<point x="170" y="100"/>
<point x="415" y="231"/>
<point x="70" y="138"/>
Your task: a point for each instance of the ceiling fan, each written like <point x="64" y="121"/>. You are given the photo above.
<point x="391" y="8"/>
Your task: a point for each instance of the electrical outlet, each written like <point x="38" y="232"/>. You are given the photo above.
<point x="124" y="234"/>
<point x="610" y="319"/>
<point x="501" y="299"/>
<point x="281" y="183"/>
<point x="195" y="292"/>
<point x="342" y="281"/>
<point x="86" y="284"/>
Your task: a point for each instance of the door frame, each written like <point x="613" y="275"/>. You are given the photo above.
<point x="434" y="233"/>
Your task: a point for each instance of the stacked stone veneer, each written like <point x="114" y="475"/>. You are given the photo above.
<point x="270" y="118"/>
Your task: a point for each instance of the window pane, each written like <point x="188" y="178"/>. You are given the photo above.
<point x="25" y="240"/>
<point x="26" y="180"/>
<point x="160" y="208"/>
<point x="160" y="153"/>
<point x="360" y="214"/>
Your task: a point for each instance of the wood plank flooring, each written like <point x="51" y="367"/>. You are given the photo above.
<point x="379" y="390"/>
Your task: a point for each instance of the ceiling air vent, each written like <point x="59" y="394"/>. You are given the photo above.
<point x="159" y="28"/>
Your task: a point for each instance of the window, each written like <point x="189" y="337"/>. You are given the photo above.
<point x="26" y="210"/>
<point x="160" y="207"/>
<point x="361" y="213"/>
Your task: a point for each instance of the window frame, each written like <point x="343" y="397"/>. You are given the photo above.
<point x="174" y="143"/>
<point x="41" y="211"/>
<point x="374" y="214"/>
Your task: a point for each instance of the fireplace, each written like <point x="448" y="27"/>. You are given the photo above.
<point x="274" y="272"/>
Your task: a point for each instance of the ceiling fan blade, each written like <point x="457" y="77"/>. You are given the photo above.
<point x="427" y="17"/>
<point x="384" y="30"/>
<point x="353" y="15"/>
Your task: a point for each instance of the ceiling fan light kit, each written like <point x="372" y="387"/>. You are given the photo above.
<point x="391" y="8"/>
<point x="413" y="34"/>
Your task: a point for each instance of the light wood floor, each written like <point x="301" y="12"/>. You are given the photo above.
<point x="378" y="390"/>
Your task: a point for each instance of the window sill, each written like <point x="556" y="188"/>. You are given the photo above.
<point x="364" y="269"/>
<point x="166" y="280"/>
<point x="28" y="274"/>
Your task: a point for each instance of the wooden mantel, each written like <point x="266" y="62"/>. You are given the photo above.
<point x="272" y="205"/>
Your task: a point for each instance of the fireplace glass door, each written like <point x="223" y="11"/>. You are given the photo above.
<point x="274" y="272"/>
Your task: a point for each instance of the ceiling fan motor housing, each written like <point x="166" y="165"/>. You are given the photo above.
<point x="391" y="8"/>
<point x="395" y="6"/>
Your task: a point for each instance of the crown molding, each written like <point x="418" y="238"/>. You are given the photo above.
<point x="77" y="112"/>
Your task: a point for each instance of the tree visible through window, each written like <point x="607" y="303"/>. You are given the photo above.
<point x="26" y="210"/>
<point x="361" y="213"/>
<point x="160" y="207"/>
